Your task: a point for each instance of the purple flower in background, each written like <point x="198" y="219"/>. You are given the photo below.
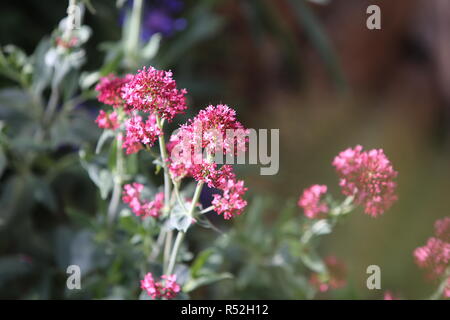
<point x="160" y="16"/>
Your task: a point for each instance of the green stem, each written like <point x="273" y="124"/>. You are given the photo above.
<point x="440" y="290"/>
<point x="167" y="247"/>
<point x="181" y="234"/>
<point x="157" y="248"/>
<point x="167" y="189"/>
<point x="163" y="150"/>
<point x="176" y="188"/>
<point x="51" y="106"/>
<point x="115" y="198"/>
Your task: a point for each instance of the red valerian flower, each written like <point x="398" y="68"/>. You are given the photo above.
<point x="312" y="203"/>
<point x="140" y="133"/>
<point x="167" y="288"/>
<point x="369" y="177"/>
<point x="230" y="203"/>
<point x="442" y="229"/>
<point x="110" y="90"/>
<point x="434" y="257"/>
<point x="171" y="288"/>
<point x="107" y="120"/>
<point x="216" y="130"/>
<point x="132" y="196"/>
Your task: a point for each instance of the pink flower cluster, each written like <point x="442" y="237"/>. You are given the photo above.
<point x="312" y="203"/>
<point x="107" y="120"/>
<point x="110" y="90"/>
<point x="230" y="203"/>
<point x="167" y="288"/>
<point x="369" y="177"/>
<point x="209" y="128"/>
<point x="208" y="131"/>
<point x="434" y="257"/>
<point x="155" y="91"/>
<point x="335" y="277"/>
<point x="132" y="196"/>
<point x="139" y="133"/>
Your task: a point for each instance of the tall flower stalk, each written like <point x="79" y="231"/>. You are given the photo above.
<point x="142" y="104"/>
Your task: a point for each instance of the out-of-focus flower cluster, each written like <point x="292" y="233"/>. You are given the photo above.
<point x="166" y="288"/>
<point x="312" y="203"/>
<point x="367" y="176"/>
<point x="132" y="196"/>
<point x="434" y="256"/>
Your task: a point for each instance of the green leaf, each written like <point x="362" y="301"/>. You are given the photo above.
<point x="321" y="227"/>
<point x="200" y="261"/>
<point x="179" y="219"/>
<point x="313" y="261"/>
<point x="106" y="134"/>
<point x="204" y="280"/>
<point x="151" y="48"/>
<point x="101" y="177"/>
<point x="41" y="71"/>
<point x="129" y="222"/>
<point x="87" y="79"/>
<point x="80" y="218"/>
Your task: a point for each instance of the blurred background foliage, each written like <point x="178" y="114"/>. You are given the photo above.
<point x="309" y="68"/>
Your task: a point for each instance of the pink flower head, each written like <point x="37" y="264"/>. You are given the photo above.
<point x="132" y="191"/>
<point x="369" y="177"/>
<point x="442" y="229"/>
<point x="110" y="90"/>
<point x="153" y="288"/>
<point x="230" y="203"/>
<point x="171" y="287"/>
<point x="155" y="91"/>
<point x="215" y="129"/>
<point x="167" y="288"/>
<point x="433" y="257"/>
<point x="311" y="202"/>
<point x="139" y="133"/>
<point x="335" y="277"/>
<point x="132" y="196"/>
<point x="107" y="120"/>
